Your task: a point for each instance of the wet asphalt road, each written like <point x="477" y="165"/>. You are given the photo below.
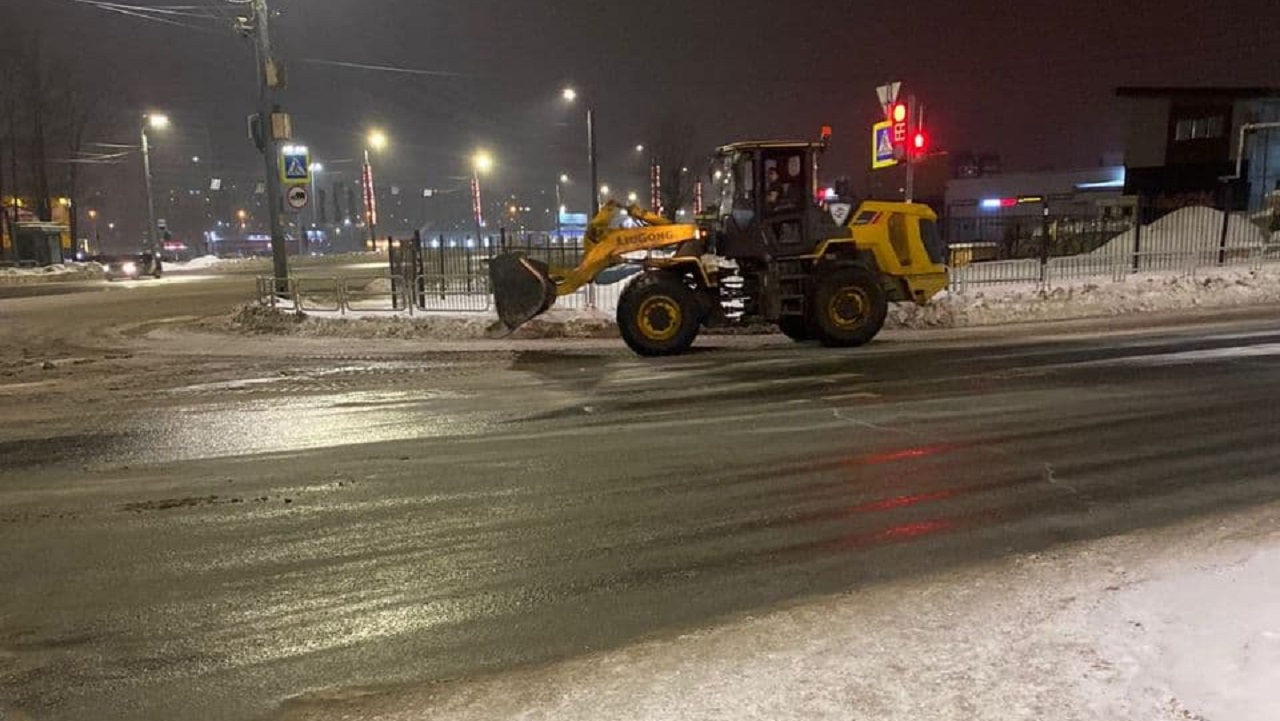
<point x="246" y="529"/>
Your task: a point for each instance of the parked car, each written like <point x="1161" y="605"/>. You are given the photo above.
<point x="130" y="267"/>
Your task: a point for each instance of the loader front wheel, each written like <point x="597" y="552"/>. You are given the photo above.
<point x="658" y="315"/>
<point x="849" y="307"/>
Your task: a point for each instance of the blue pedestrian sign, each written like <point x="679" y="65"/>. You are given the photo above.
<point x="295" y="165"/>
<point x="882" y="155"/>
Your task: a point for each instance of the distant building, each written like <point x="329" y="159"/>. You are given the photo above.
<point x="1008" y="210"/>
<point x="1066" y="191"/>
<point x="1182" y="142"/>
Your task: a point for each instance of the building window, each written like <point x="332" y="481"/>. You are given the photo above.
<point x="1199" y="128"/>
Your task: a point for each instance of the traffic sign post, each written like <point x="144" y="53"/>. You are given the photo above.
<point x="883" y="149"/>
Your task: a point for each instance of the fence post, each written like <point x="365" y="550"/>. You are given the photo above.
<point x="419" y="272"/>
<point x="1137" y="235"/>
<point x="470" y="278"/>
<point x="1044" y="243"/>
<point x="1228" y="198"/>
<point x="444" y="279"/>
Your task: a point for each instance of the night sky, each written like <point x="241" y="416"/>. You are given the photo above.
<point x="1032" y="81"/>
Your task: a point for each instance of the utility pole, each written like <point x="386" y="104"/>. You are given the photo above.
<point x="912" y="107"/>
<point x="153" y="242"/>
<point x="271" y="77"/>
<point x="595" y="170"/>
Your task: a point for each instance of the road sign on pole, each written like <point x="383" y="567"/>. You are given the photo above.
<point x="297" y="197"/>
<point x="295" y="165"/>
<point x="888" y="94"/>
<point x="883" y="153"/>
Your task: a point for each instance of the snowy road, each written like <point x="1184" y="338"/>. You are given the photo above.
<point x="200" y="528"/>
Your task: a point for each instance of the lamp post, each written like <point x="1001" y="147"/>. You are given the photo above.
<point x="316" y="169"/>
<point x="155" y="122"/>
<point x="97" y="238"/>
<point x="377" y="141"/>
<point x="570" y="96"/>
<point x="560" y="183"/>
<point x="481" y="162"/>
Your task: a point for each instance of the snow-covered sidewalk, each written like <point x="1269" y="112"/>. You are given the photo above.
<point x="51" y="274"/>
<point x="979" y="306"/>
<point x="1179" y="624"/>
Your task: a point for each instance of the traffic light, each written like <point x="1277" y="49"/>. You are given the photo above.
<point x="898" y="115"/>
<point x="920" y="143"/>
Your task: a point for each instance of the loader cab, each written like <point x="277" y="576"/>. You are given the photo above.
<point x="768" y="200"/>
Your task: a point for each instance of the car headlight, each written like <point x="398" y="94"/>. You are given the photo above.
<point x="129" y="268"/>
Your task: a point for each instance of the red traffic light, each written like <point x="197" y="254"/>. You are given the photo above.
<point x="920" y="142"/>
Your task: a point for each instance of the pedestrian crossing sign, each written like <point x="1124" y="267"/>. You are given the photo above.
<point x="295" y="165"/>
<point x="882" y="155"/>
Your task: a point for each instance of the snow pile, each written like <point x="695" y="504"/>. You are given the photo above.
<point x="260" y="320"/>
<point x="996" y="305"/>
<point x="1194" y="230"/>
<point x="204" y="262"/>
<point x="51" y="273"/>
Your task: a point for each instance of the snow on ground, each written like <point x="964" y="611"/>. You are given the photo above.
<point x="51" y="273"/>
<point x="1149" y="292"/>
<point x="204" y="262"/>
<point x="1189" y="230"/>
<point x="1179" y="624"/>
<point x="259" y="320"/>
<point x="978" y="306"/>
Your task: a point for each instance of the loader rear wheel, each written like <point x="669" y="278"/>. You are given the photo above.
<point x="659" y="315"/>
<point x="795" y="327"/>
<point x="849" y="307"/>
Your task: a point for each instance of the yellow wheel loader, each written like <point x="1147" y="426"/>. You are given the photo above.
<point x="769" y="250"/>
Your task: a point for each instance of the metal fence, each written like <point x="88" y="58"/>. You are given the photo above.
<point x="360" y="295"/>
<point x="1062" y="250"/>
<point x="437" y="276"/>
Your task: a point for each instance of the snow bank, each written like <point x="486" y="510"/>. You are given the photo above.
<point x="51" y="273"/>
<point x="996" y="305"/>
<point x="204" y="262"/>
<point x="259" y="320"/>
<point x="1189" y="230"/>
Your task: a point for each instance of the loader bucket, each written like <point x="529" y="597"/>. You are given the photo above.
<point x="521" y="289"/>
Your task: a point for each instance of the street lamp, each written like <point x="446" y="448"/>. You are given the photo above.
<point x="632" y="197"/>
<point x="377" y="141"/>
<point x="481" y="162"/>
<point x="154" y="121"/>
<point x="570" y="96"/>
